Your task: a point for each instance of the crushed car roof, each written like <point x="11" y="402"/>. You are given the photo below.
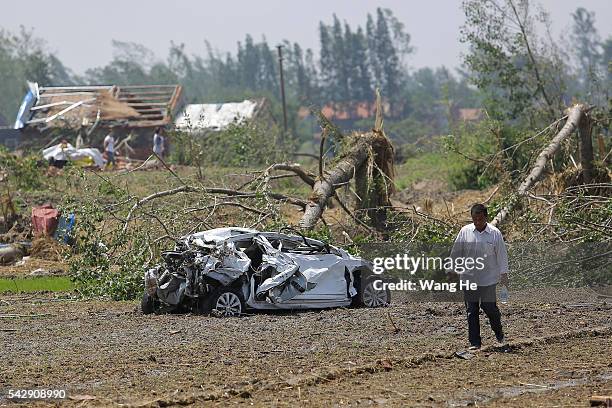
<point x="221" y="234"/>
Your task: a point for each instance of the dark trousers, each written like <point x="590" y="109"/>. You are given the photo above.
<point x="483" y="297"/>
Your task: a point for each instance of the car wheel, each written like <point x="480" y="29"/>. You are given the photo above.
<point x="228" y="302"/>
<point x="147" y="305"/>
<point x="372" y="297"/>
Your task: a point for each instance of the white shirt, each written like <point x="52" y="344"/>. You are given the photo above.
<point x="487" y="245"/>
<point x="109" y="142"/>
<point x="158" y="143"/>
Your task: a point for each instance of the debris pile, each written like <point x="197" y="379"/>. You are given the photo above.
<point x="90" y="106"/>
<point x="44" y="236"/>
<point x="82" y="157"/>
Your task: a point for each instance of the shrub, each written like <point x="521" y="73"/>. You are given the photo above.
<point x="239" y="145"/>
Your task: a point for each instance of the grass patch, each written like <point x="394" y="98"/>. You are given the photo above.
<point x="36" y="284"/>
<point x="426" y="166"/>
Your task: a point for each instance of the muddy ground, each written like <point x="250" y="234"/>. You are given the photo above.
<point x="107" y="353"/>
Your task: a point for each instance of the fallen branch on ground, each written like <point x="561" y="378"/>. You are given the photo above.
<point x="576" y="114"/>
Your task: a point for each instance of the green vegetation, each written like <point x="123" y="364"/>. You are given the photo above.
<point x="435" y="165"/>
<point x="24" y="172"/>
<point x="240" y="145"/>
<point x="36" y="284"/>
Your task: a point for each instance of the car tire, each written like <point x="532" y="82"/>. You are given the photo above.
<point x="367" y="296"/>
<point x="226" y="301"/>
<point x="147" y="304"/>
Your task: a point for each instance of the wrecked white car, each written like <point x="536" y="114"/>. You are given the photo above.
<point x="231" y="270"/>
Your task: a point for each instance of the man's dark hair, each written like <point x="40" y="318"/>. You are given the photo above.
<point x="479" y="209"/>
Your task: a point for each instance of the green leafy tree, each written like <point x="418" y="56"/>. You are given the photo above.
<point x="518" y="72"/>
<point x="586" y="41"/>
<point x="589" y="54"/>
<point x="248" y="59"/>
<point x="326" y="62"/>
<point x="361" y="85"/>
<point x="341" y="61"/>
<point x="269" y="76"/>
<point x="385" y="51"/>
<point x="606" y="63"/>
<point x="376" y="66"/>
<point x="24" y="57"/>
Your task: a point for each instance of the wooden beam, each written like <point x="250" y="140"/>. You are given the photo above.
<point x="148" y="104"/>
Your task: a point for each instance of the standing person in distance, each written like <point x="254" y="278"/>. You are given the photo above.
<point x="159" y="142"/>
<point x="109" y="148"/>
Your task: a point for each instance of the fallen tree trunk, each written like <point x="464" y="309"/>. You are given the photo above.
<point x="369" y="161"/>
<point x="576" y="114"/>
<point x="324" y="187"/>
<point x="586" y="149"/>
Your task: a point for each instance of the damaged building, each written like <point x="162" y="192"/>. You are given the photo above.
<point x="53" y="113"/>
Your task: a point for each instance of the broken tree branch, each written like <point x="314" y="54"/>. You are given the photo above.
<point x="226" y="203"/>
<point x="576" y="114"/>
<point x="324" y="188"/>
<point x="169" y="169"/>
<point x="369" y="160"/>
<point x="140" y="203"/>
<point x="209" y="190"/>
<point x="353" y="216"/>
<point x="321" y="148"/>
<point x="295" y="168"/>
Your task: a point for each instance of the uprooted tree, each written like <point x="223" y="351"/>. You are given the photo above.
<point x="577" y="118"/>
<point x="367" y="158"/>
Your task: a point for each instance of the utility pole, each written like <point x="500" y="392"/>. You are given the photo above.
<point x="282" y="86"/>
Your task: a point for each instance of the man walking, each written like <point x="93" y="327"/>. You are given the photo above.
<point x="484" y="245"/>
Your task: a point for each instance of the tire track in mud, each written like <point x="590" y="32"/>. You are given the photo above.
<point x="379" y="366"/>
<point x="492" y="395"/>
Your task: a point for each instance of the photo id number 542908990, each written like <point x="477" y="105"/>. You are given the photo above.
<point x="42" y="393"/>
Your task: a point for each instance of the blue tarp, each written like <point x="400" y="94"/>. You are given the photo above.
<point x="28" y="101"/>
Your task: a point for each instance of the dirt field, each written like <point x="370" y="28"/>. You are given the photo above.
<point x="109" y="354"/>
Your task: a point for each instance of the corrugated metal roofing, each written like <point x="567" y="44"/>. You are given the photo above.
<point x="215" y="116"/>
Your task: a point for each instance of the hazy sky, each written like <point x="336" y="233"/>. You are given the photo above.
<point x="80" y="32"/>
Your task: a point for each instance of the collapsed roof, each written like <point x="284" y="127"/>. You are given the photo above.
<point x="76" y="106"/>
<point x="218" y="116"/>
